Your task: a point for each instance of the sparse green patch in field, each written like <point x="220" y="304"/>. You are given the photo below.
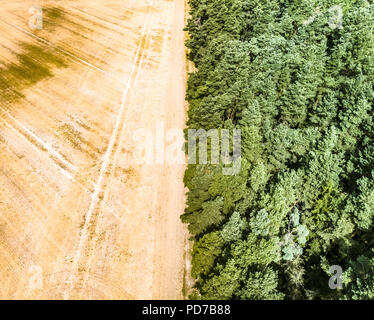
<point x="34" y="63"/>
<point x="58" y="17"/>
<point x="53" y="13"/>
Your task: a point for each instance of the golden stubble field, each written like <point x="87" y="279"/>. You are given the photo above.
<point x="77" y="221"/>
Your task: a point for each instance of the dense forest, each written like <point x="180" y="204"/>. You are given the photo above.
<point x="296" y="77"/>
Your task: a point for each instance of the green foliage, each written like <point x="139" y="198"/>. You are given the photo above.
<point x="300" y="89"/>
<point x="261" y="285"/>
<point x="260" y="223"/>
<point x="302" y="233"/>
<point x="290" y="248"/>
<point x="204" y="253"/>
<point x="246" y="256"/>
<point x="359" y="278"/>
<point x="233" y="229"/>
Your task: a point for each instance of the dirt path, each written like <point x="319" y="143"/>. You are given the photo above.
<point x="78" y="217"/>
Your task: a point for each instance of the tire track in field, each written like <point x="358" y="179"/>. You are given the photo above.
<point x="108" y="41"/>
<point x="95" y="197"/>
<point x="87" y="272"/>
<point x="64" y="165"/>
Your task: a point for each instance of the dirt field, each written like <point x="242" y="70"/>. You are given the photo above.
<point x="77" y="220"/>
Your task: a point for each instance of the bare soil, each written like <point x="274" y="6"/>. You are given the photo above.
<point x="77" y="220"/>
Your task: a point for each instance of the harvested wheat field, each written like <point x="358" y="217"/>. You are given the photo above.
<point x="78" y="221"/>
